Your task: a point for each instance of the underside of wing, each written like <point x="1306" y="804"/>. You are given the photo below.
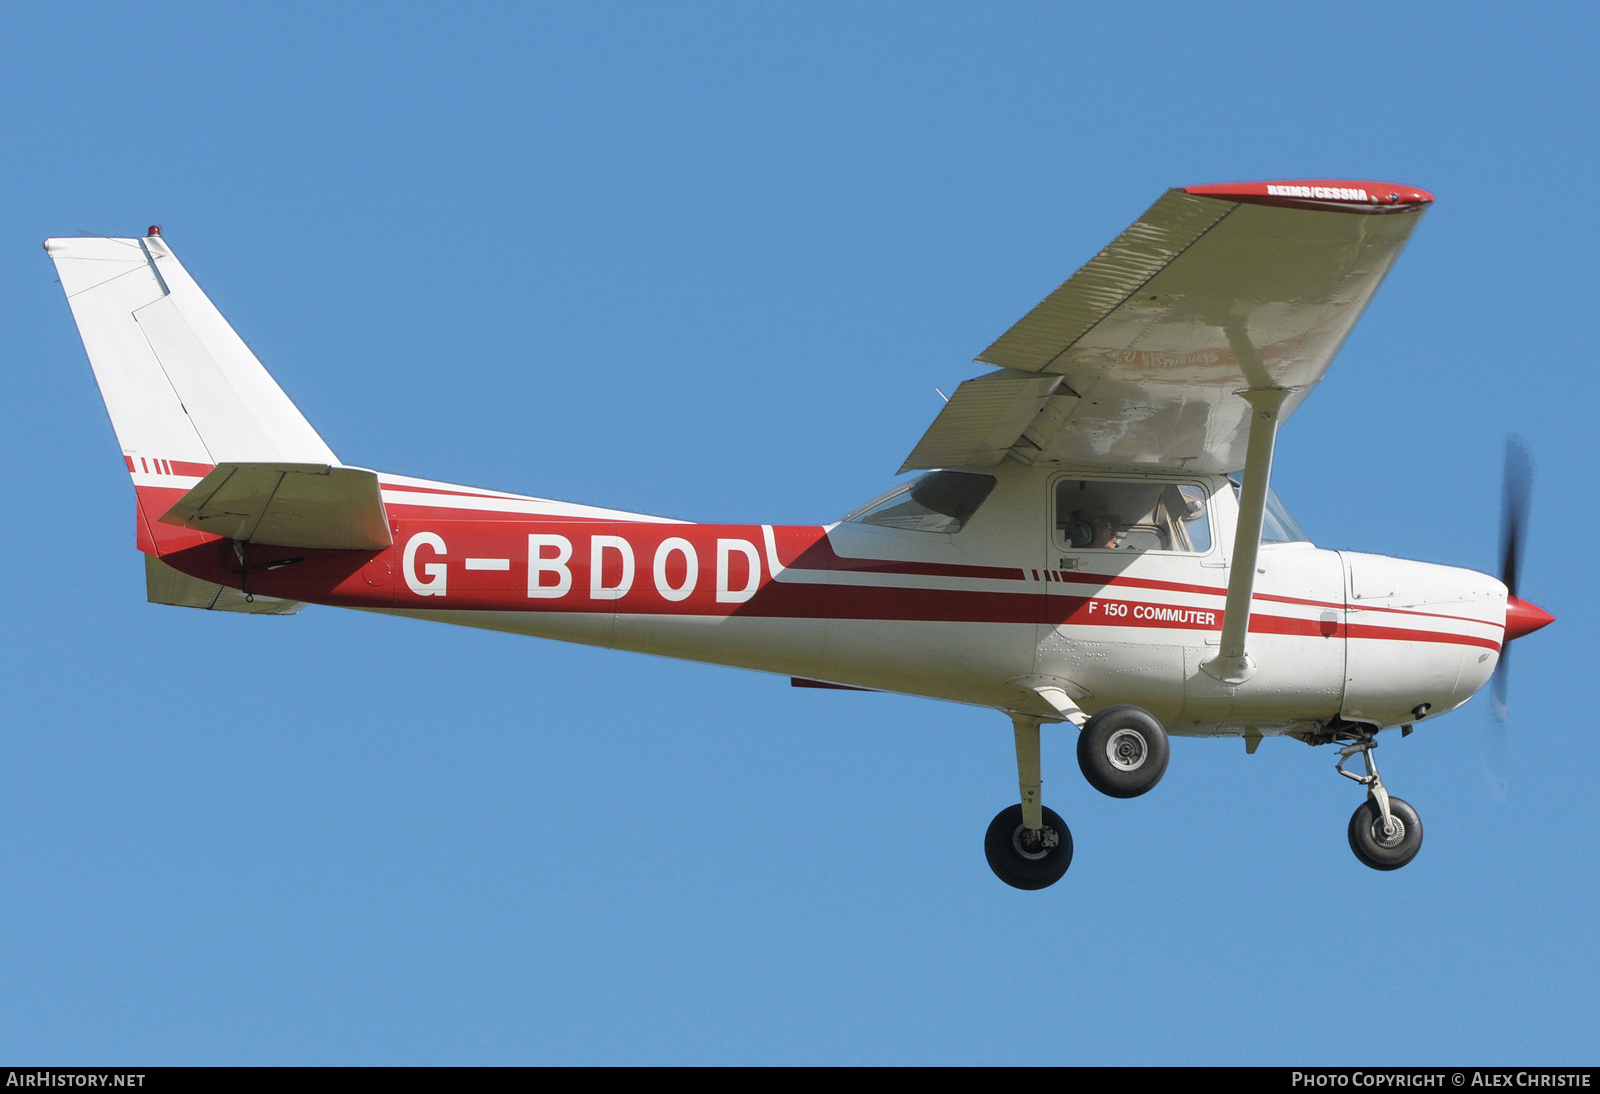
<point x="1137" y="361"/>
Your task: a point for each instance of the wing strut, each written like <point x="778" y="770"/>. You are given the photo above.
<point x="1232" y="664"/>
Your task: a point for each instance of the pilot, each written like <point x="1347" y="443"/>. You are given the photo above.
<point x="1105" y="533"/>
<point x="1096" y="531"/>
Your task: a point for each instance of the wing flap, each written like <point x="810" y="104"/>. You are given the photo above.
<point x="984" y="420"/>
<point x="315" y="506"/>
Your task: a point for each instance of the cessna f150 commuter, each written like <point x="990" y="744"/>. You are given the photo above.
<point x="1093" y="540"/>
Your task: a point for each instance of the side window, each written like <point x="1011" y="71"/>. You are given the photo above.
<point x="940" y="501"/>
<point x="1132" y="516"/>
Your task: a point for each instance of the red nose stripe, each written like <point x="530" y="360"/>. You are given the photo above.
<point x="1524" y="618"/>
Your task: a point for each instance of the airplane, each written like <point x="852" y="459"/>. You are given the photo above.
<point x="1092" y="541"/>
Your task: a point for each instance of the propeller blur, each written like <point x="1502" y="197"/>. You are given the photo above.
<point x="1522" y="618"/>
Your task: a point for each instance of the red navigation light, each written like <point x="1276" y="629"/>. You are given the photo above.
<point x="155" y="230"/>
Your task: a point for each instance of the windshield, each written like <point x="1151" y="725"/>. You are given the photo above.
<point x="1277" y="526"/>
<point x="940" y="501"/>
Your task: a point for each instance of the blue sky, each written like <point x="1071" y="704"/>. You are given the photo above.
<point x="711" y="262"/>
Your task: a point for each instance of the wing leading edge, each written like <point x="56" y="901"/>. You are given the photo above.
<point x="1138" y="359"/>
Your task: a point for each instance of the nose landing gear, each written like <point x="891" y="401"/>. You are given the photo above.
<point x="1385" y="832"/>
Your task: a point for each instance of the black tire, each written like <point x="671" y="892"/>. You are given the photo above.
<point x="1368" y="841"/>
<point x="1014" y="864"/>
<point x="1123" y="752"/>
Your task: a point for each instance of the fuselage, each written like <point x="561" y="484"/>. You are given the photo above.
<point x="980" y="614"/>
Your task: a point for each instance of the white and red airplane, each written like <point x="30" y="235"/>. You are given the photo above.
<point x="1081" y="548"/>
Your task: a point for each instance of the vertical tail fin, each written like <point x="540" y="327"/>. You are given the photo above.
<point x="183" y="390"/>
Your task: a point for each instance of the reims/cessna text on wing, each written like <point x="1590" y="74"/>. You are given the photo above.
<point x="1093" y="541"/>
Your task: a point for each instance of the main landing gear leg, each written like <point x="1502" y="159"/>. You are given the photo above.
<point x="1029" y="781"/>
<point x="1028" y="846"/>
<point x="1385" y="832"/>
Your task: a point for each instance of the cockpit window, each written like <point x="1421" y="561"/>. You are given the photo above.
<point x="1132" y="516"/>
<point x="940" y="501"/>
<point x="1277" y="526"/>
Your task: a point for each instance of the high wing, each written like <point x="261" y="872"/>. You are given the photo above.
<point x="1138" y="360"/>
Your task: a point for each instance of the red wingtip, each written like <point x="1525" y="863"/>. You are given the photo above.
<point x="1524" y="618"/>
<point x="1354" y="196"/>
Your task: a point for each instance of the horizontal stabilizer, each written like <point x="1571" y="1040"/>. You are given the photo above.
<point x="288" y="505"/>
<point x="164" y="585"/>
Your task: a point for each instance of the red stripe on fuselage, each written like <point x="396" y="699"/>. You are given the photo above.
<point x="1405" y="634"/>
<point x="1114" y="581"/>
<point x="817" y="554"/>
<point x="662" y="570"/>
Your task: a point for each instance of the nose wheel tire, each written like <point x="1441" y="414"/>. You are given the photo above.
<point x="1023" y="860"/>
<point x="1123" y="751"/>
<point x="1381" y="849"/>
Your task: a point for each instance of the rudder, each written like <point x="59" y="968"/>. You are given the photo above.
<point x="183" y="390"/>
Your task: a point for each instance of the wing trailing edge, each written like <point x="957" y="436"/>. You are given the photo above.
<point x="987" y="418"/>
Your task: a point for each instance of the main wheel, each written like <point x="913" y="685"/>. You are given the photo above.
<point x="1385" y="850"/>
<point x="1123" y="751"/>
<point x="1019" y="864"/>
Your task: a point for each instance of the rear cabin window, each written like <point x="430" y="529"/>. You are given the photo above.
<point x="940" y="501"/>
<point x="1097" y="515"/>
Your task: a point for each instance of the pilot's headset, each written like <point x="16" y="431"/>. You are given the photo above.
<point x="1080" y="529"/>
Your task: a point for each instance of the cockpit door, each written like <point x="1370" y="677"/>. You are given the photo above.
<point x="1126" y="586"/>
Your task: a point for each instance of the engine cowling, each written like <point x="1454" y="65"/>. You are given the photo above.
<point x="1421" y="638"/>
